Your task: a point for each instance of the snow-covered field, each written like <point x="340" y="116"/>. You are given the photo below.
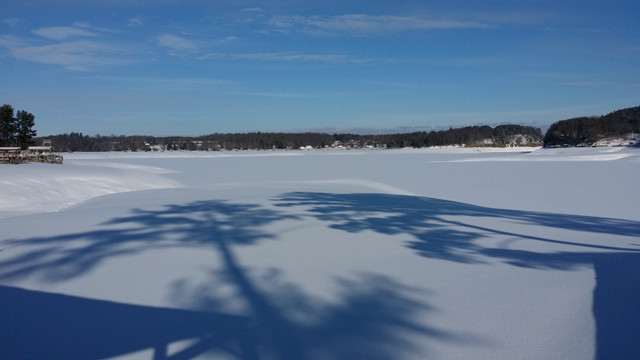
<point x="394" y="254"/>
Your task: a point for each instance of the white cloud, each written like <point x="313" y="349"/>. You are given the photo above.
<point x="254" y="9"/>
<point x="587" y="83"/>
<point x="135" y="21"/>
<point x="290" y="57"/>
<point x="174" y="42"/>
<point x="63" y="32"/>
<point x="75" y="55"/>
<point x="88" y="26"/>
<point x="10" y="42"/>
<point x="72" y="47"/>
<point x="173" y="82"/>
<point x="363" y="25"/>
<point x="284" y="56"/>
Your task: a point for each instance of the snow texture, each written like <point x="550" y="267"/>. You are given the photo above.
<point x="394" y="254"/>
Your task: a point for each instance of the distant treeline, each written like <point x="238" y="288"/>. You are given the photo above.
<point x="581" y="131"/>
<point x="503" y="135"/>
<point x="586" y="131"/>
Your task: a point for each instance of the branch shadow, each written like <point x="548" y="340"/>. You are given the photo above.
<point x="373" y="318"/>
<point x="195" y="224"/>
<point x="435" y="233"/>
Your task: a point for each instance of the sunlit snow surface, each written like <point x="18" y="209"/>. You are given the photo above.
<point x="376" y="254"/>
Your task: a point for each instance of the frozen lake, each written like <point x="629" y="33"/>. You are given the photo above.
<point x="372" y="254"/>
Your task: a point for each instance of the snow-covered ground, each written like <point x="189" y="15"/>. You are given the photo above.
<point x="373" y="254"/>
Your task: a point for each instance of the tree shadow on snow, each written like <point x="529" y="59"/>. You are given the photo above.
<point x="373" y="317"/>
<point x="39" y="325"/>
<point x="454" y="231"/>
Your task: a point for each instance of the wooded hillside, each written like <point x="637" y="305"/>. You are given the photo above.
<point x="586" y="131"/>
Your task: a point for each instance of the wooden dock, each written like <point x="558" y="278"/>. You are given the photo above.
<point x="15" y="155"/>
<point x="42" y="154"/>
<point x="10" y="155"/>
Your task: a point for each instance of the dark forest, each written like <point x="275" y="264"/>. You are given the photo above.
<point x="503" y="135"/>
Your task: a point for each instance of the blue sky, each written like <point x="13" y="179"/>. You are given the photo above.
<point x="194" y="67"/>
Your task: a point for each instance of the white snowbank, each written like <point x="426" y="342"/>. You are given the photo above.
<point x="32" y="188"/>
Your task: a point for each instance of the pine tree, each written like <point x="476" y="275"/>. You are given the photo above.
<point x="16" y="130"/>
<point x="24" y="129"/>
<point x="7" y="125"/>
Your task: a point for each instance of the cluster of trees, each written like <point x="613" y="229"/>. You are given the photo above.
<point x="237" y="141"/>
<point x="264" y="141"/>
<point x="502" y="135"/>
<point x="471" y="136"/>
<point x="16" y="130"/>
<point x="585" y="131"/>
<point x="74" y="141"/>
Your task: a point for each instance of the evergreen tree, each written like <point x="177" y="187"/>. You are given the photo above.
<point x="16" y="130"/>
<point x="7" y="126"/>
<point x="24" y="129"/>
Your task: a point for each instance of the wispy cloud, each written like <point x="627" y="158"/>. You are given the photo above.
<point x="10" y="42"/>
<point x="364" y="25"/>
<point x="254" y="10"/>
<point x="74" y="47"/>
<point x="135" y="21"/>
<point x="176" y="43"/>
<point x="296" y="95"/>
<point x="87" y="26"/>
<point x="75" y="30"/>
<point x="13" y="22"/>
<point x="63" y="32"/>
<point x="171" y="81"/>
<point x="285" y="56"/>
<point x="586" y="83"/>
<point x="74" y="55"/>
<point x="521" y="18"/>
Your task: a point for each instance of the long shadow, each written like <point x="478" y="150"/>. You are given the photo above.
<point x="39" y="325"/>
<point x="435" y="233"/>
<point x="370" y="320"/>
